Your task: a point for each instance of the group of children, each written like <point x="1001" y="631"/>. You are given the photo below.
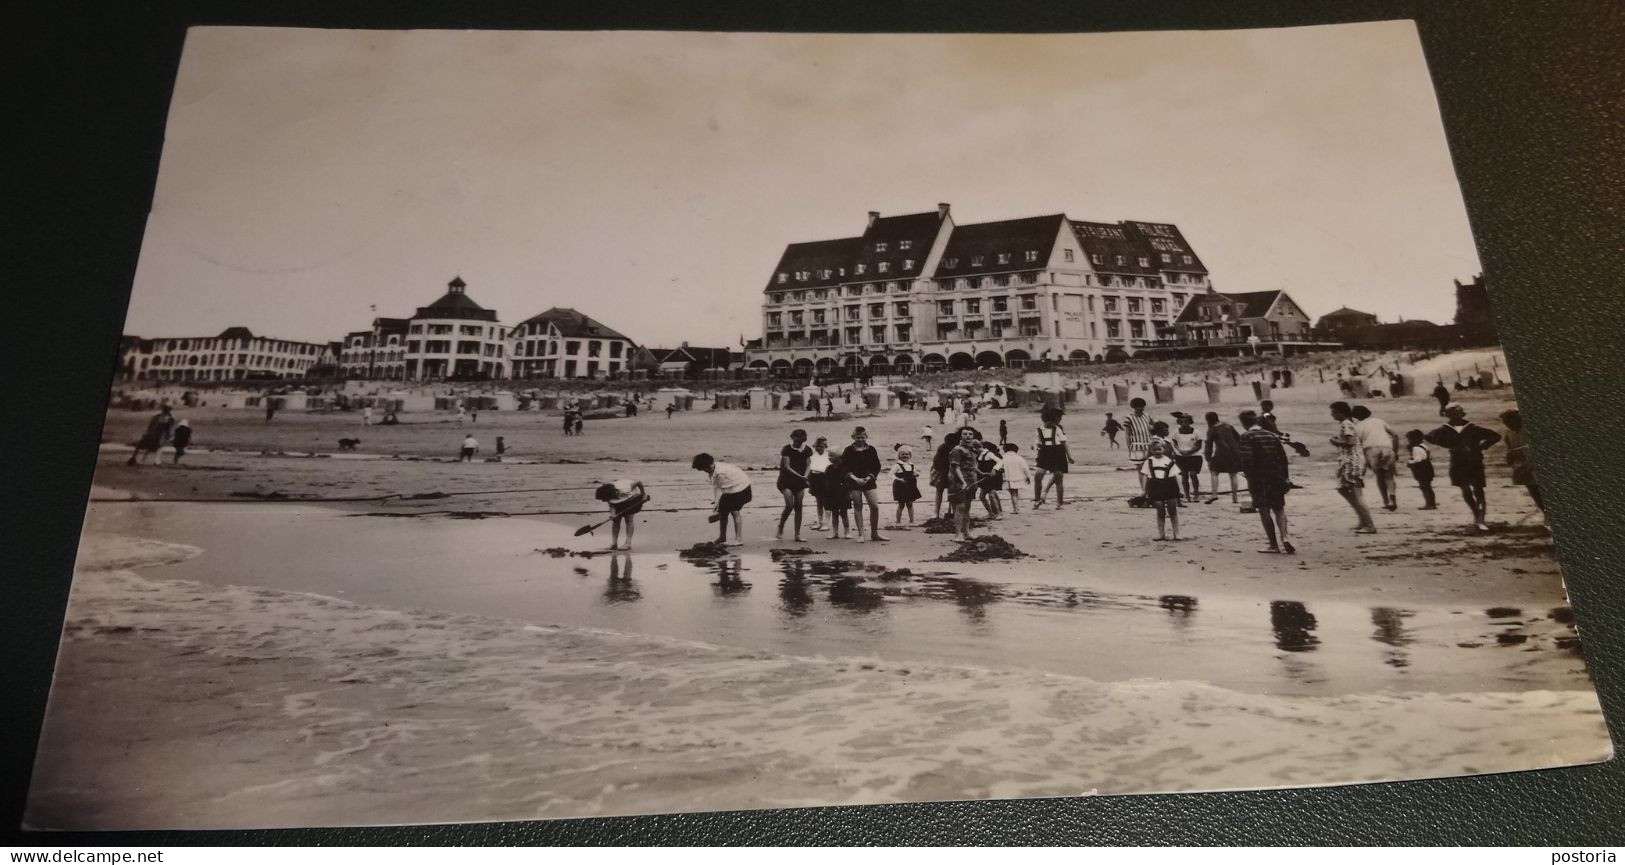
<point x="1168" y="462"/>
<point x="162" y="429"/>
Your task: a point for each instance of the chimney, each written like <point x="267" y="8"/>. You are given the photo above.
<point x="685" y="343"/>
<point x="873" y="215"/>
<point x="942" y="209"/>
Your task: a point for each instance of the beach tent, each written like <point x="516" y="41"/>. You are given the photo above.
<point x="1286" y="378"/>
<point x="1213" y="389"/>
<point x="1163" y="393"/>
<point x="1261" y="390"/>
<point x="1120" y="392"/>
<point x="504" y="400"/>
<point x="756" y="399"/>
<point x="1069" y="393"/>
<point x="1102" y="396"/>
<point x="294" y="401"/>
<point x="877" y="398"/>
<point x="1486" y="378"/>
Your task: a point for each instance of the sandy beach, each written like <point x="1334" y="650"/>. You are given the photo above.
<point x="278" y="633"/>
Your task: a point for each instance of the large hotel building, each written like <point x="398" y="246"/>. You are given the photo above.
<point x="919" y="291"/>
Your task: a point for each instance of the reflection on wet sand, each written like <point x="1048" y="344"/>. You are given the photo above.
<point x="1293" y="624"/>
<point x="621" y="589"/>
<point x="729" y="577"/>
<point x="1390" y="631"/>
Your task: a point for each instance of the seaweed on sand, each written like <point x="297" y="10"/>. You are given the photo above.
<point x="705" y="551"/>
<point x="945" y="525"/>
<point x="983" y="549"/>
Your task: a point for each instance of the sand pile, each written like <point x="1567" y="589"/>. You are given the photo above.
<point x="983" y="549"/>
<point x="704" y="552"/>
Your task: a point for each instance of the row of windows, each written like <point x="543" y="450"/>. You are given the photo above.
<point x="547" y="367"/>
<point x="902" y="246"/>
<point x="258" y="360"/>
<point x="264" y="345"/>
<point x="462" y="329"/>
<point x="853" y="336"/>
<point x="1029" y="257"/>
<point x="538" y="347"/>
<point x="973" y="306"/>
<point x="827" y="273"/>
<point x="464" y="347"/>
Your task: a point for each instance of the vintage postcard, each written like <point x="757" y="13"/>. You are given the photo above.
<point x="517" y="425"/>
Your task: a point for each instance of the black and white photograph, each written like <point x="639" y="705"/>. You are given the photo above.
<point x="517" y="425"/>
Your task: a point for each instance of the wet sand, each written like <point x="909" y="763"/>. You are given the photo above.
<point x="249" y="695"/>
<point x="192" y="706"/>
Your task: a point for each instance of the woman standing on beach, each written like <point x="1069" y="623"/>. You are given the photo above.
<point x="1467" y="443"/>
<point x="991" y="467"/>
<point x="817" y="468"/>
<point x="1523" y="467"/>
<point x="860" y="463"/>
<point x="794" y="459"/>
<point x="1188" y="453"/>
<point x="939" y="468"/>
<point x="1351" y="466"/>
<point x="1054" y="458"/>
<point x="1223" y="452"/>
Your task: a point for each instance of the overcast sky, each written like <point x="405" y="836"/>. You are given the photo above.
<point x="652" y="180"/>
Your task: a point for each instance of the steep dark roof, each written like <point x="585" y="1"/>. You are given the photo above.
<point x="826" y="263"/>
<point x="1164" y="237"/>
<point x="236" y="333"/>
<point x="1249" y="304"/>
<point x="455" y="304"/>
<point x="391" y="325"/>
<point x="883" y="242"/>
<point x="1113" y="242"/>
<point x="986" y="241"/>
<point x="1345" y="312"/>
<point x="575" y="324"/>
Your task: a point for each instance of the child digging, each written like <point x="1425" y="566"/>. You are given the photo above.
<point x="625" y="498"/>
<point x="731" y="488"/>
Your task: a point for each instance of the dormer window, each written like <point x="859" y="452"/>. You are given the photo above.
<point x="1097" y="258"/>
<point x="1032" y="255"/>
<point x="908" y="264"/>
<point x="976" y="261"/>
<point x="883" y="266"/>
<point x="783" y="278"/>
<point x="1121" y="261"/>
<point x="880" y="247"/>
<point x="1004" y="258"/>
<point x="950" y="262"/>
<point x="801" y="275"/>
<point x="905" y="245"/>
<point x="1145" y="262"/>
<point x="1167" y="259"/>
<point x="859" y="269"/>
<point x="1187" y="259"/>
<point x="823" y="274"/>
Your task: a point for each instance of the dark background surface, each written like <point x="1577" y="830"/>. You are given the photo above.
<point x="1531" y="96"/>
